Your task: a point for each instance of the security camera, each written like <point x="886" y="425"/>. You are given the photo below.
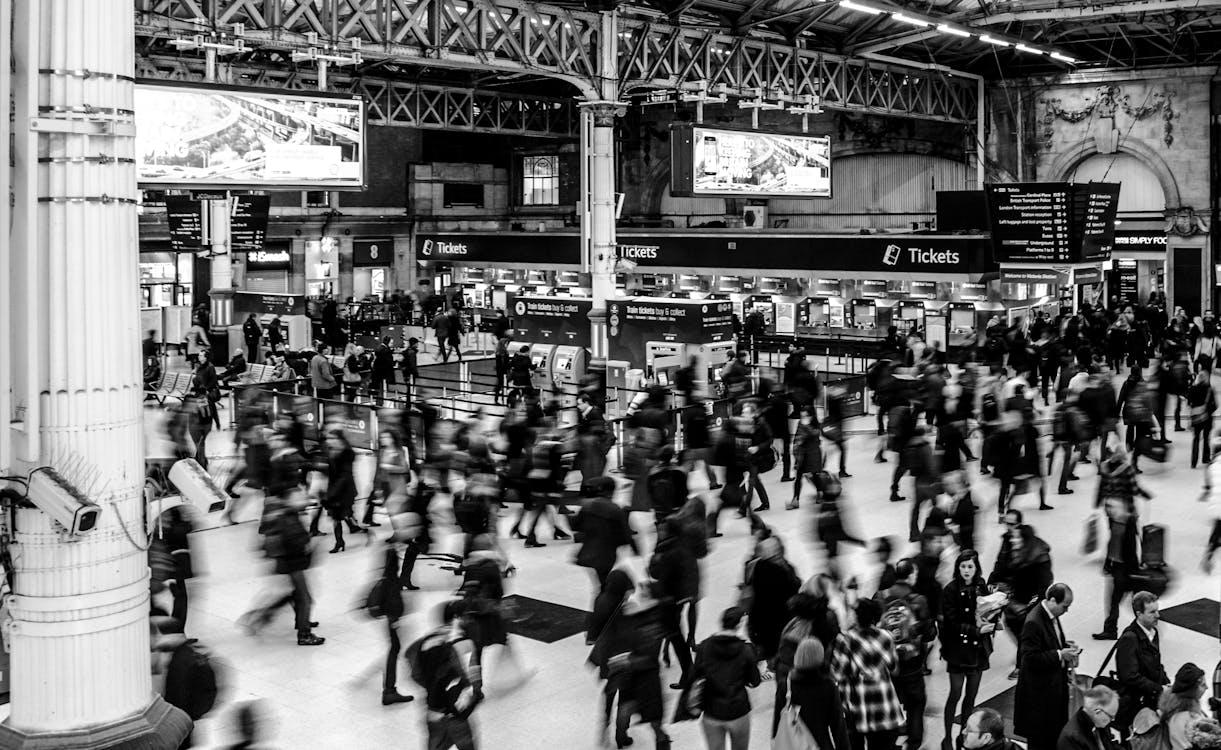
<point x="53" y="495"/>
<point x="195" y="485"/>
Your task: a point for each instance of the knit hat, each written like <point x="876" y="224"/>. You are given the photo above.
<point x="1187" y="678"/>
<point x="809" y="655"/>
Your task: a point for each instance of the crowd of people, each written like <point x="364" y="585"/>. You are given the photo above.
<point x="849" y="659"/>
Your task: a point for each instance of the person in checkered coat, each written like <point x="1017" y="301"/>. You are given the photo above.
<point x="861" y="662"/>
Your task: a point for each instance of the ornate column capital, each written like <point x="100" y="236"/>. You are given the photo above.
<point x="605" y="112"/>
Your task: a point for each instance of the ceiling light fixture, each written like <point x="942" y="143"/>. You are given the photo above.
<point x="993" y="40"/>
<point x="858" y="7"/>
<point x="1030" y="50"/>
<point x="1064" y="58"/>
<point x="901" y="18"/>
<point x="952" y="30"/>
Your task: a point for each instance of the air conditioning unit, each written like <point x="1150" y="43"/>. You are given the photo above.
<point x="754" y="217"/>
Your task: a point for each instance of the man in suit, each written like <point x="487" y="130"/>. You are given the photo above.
<point x="1138" y="657"/>
<point x="1090" y="728"/>
<point x="1047" y="660"/>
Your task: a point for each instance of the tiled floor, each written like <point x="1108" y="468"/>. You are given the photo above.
<point x="328" y="697"/>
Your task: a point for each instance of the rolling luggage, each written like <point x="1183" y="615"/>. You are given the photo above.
<point x="1153" y="546"/>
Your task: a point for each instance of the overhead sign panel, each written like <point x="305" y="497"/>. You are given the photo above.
<point x="1052" y="222"/>
<point x="718" y="161"/>
<point x="1030" y="222"/>
<point x="185" y="218"/>
<point x="195" y="135"/>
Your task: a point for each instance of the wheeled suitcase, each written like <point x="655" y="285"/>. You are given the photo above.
<point x="1153" y="546"/>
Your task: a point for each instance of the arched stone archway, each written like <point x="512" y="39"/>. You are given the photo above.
<point x="1071" y="157"/>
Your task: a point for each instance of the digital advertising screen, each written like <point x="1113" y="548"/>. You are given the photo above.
<point x="716" y="161"/>
<point x="190" y="135"/>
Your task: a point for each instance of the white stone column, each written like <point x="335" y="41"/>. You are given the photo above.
<point x="79" y="633"/>
<point x="221" y="292"/>
<point x="598" y="121"/>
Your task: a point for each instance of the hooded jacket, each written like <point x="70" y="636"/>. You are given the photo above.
<point x="605" y="529"/>
<point x="728" y="667"/>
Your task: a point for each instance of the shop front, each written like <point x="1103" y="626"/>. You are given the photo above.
<point x="485" y="270"/>
<point x="372" y="268"/>
<point x="803" y="286"/>
<point x="268" y="271"/>
<point x="823" y="288"/>
<point x="1138" y="267"/>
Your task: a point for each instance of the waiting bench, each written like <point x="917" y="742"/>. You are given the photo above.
<point x="172" y="385"/>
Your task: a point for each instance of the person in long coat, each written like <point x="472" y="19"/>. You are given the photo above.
<point x="340" y="487"/>
<point x="1024" y="566"/>
<point x="771" y="582"/>
<point x="1041" y="700"/>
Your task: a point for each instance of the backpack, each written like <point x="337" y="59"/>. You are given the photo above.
<point x="1059" y="424"/>
<point x="1080" y="428"/>
<point x="663" y="490"/>
<point x="989" y="407"/>
<point x="1154" y="737"/>
<point x="1136" y="408"/>
<point x="412" y="655"/>
<point x="899" y="620"/>
<point x="201" y="676"/>
<point x="375" y="597"/>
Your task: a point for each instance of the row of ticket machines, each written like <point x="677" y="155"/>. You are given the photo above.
<point x="870" y="318"/>
<point x="558" y="369"/>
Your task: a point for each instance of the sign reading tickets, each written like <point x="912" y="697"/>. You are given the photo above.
<point x="258" y="303"/>
<point x="563" y="321"/>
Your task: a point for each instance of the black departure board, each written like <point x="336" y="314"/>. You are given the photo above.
<point x="248" y="221"/>
<point x="185" y="217"/>
<point x="1095" y="206"/>
<point x="1031" y="222"/>
<point x="1053" y="222"/>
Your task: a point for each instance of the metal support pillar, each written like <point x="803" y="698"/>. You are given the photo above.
<point x="79" y="636"/>
<point x="598" y="162"/>
<point x="221" y="294"/>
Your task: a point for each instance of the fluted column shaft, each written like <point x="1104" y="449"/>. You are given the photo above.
<point x="79" y="634"/>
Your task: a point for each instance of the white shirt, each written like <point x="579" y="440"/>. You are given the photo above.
<point x="1150" y="633"/>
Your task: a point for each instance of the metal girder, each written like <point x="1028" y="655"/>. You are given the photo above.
<point x="1056" y="10"/>
<point x="662" y="56"/>
<point x="502" y="35"/>
<point x="398" y="103"/>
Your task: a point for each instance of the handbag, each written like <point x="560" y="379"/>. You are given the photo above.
<point x="792" y="733"/>
<point x="1089" y="544"/>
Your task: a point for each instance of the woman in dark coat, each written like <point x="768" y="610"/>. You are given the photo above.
<point x="817" y="697"/>
<point x="608" y="632"/>
<point x="807" y="452"/>
<point x="965" y="645"/>
<point x="340" y="487"/>
<point x="770" y="582"/>
<point x="1024" y="567"/>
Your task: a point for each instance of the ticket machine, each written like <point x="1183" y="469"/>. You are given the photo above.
<point x="663" y="359"/>
<point x="962" y="329"/>
<point x="710" y="359"/>
<point x="541" y="356"/>
<point x="910" y="310"/>
<point x="568" y="366"/>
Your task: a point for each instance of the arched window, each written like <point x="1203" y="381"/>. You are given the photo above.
<point x="540" y="180"/>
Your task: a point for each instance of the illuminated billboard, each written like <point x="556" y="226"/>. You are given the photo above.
<point x="717" y="161"/>
<point x="191" y="135"/>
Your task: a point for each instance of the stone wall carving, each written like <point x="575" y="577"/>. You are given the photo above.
<point x="1103" y="110"/>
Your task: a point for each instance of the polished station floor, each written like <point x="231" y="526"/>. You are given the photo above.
<point x="329" y="697"/>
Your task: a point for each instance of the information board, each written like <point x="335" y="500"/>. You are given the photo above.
<point x="248" y="221"/>
<point x="923" y="290"/>
<point x="1052" y="222"/>
<point x="185" y="217"/>
<point x="1030" y="222"/>
<point x="1095" y="206"/>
